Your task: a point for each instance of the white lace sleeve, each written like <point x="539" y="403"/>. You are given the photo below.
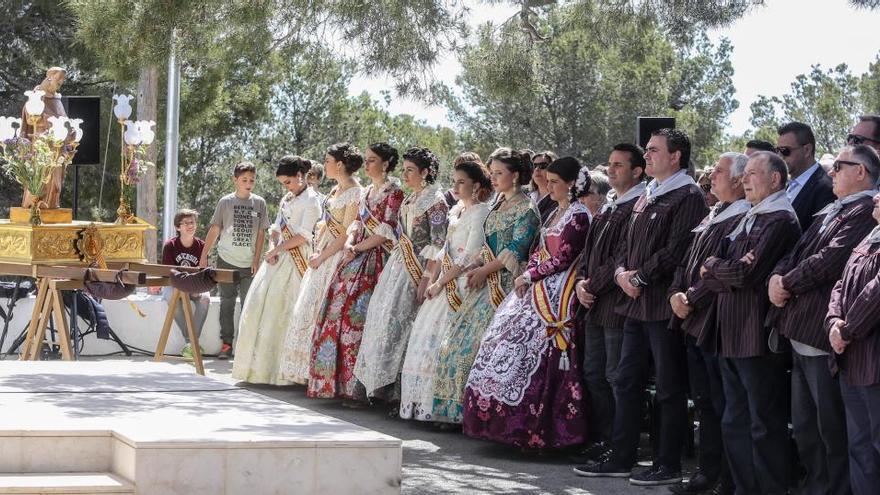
<point x="508" y="259"/>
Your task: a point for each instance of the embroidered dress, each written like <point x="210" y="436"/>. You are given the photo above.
<point x="337" y="337"/>
<point x="268" y="308"/>
<point x="339" y="211"/>
<point x="510" y="230"/>
<point x="525" y="385"/>
<point x="464" y="240"/>
<point x="422" y="231"/>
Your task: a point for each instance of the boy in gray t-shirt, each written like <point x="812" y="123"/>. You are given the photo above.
<point x="240" y="221"/>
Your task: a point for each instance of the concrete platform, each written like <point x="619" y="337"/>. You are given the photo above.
<point x="168" y="431"/>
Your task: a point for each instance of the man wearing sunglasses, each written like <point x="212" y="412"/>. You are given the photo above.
<point x="799" y="289"/>
<point x="866" y="131"/>
<point x="809" y="187"/>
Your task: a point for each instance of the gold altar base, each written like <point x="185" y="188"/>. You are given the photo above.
<point x="57" y="243"/>
<point x="20" y="215"/>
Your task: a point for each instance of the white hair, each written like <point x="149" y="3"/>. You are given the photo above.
<point x="737" y="163"/>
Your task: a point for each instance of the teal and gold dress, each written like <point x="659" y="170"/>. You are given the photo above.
<point x="511" y="229"/>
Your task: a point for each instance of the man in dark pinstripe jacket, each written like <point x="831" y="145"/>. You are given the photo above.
<point x="654" y="243"/>
<point x="799" y="289"/>
<point x="754" y="426"/>
<point x="693" y="302"/>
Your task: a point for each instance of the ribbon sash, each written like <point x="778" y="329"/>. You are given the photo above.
<point x="371" y="224"/>
<point x="496" y="292"/>
<point x="555" y="313"/>
<point x="299" y="259"/>
<point x="555" y="308"/>
<point x="452" y="296"/>
<point x="410" y="260"/>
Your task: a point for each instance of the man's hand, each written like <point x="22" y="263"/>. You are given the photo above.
<point x="778" y="295"/>
<point x="680" y="305"/>
<point x="203" y="261"/>
<point x="586" y="299"/>
<point x="629" y="289"/>
<point x="255" y="265"/>
<point x="748" y="258"/>
<point x="836" y="340"/>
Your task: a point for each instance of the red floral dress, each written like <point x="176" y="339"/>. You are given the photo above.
<point x="337" y="335"/>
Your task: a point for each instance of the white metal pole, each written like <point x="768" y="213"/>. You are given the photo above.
<point x="172" y="141"/>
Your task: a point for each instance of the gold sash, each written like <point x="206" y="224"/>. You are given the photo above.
<point x="299" y="259"/>
<point x="451" y="287"/>
<point x="496" y="293"/>
<point x="556" y="317"/>
<point x="335" y="228"/>
<point x="410" y="260"/>
<point x="371" y="224"/>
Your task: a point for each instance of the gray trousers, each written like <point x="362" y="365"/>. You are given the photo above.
<point x="601" y="357"/>
<point x="200" y="303"/>
<point x="818" y="422"/>
<point x="228" y="294"/>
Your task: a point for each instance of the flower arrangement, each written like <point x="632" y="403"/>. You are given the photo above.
<point x="30" y="163"/>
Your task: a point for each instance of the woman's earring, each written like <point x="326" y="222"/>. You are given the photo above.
<point x="475" y="195"/>
<point x="424" y="183"/>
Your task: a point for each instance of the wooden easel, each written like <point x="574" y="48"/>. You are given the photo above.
<point x="160" y="276"/>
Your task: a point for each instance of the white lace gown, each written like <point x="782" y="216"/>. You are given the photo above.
<point x="268" y="307"/>
<point x="393" y="306"/>
<point x="464" y="239"/>
<point x="296" y="352"/>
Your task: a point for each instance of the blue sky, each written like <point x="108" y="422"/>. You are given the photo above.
<point x="771" y="46"/>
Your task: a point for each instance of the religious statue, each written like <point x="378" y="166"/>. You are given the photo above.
<point x="55" y="77"/>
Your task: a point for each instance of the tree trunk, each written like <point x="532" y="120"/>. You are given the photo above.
<point x="148" y="109"/>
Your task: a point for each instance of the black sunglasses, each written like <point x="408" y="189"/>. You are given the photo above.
<point x="786" y="150"/>
<point x="542" y="165"/>
<point x="856" y="139"/>
<point x="837" y="163"/>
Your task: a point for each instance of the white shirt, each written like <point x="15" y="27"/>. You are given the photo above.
<point x="795" y="185"/>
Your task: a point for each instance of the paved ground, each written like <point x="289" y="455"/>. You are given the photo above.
<point x="436" y="462"/>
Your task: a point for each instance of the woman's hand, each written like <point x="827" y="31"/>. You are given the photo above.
<point x="521" y="285"/>
<point x="423" y="287"/>
<point x="315" y="261"/>
<point x="434" y="290"/>
<point x="476" y="278"/>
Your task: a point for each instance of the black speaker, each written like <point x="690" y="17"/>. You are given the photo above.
<point x="87" y="108"/>
<point x="646" y="125"/>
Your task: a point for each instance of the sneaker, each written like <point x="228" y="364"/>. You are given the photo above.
<point x="698" y="483"/>
<point x="602" y="469"/>
<point x="187" y="352"/>
<point x="225" y="351"/>
<point x="594" y="452"/>
<point x="655" y="476"/>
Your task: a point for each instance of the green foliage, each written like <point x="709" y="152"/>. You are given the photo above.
<point x="829" y="101"/>
<point x="30" y="162"/>
<point x="578" y="94"/>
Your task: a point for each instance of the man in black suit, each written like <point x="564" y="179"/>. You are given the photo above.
<point x="809" y="187"/>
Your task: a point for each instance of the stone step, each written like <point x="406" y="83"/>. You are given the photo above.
<point x="64" y="483"/>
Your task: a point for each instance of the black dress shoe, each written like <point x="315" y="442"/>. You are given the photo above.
<point x="722" y="488"/>
<point x="698" y="483"/>
<point x="594" y="452"/>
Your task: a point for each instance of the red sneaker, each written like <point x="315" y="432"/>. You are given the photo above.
<point x="225" y="351"/>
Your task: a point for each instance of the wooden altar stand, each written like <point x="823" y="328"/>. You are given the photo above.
<point x="51" y="280"/>
<point x="160" y="276"/>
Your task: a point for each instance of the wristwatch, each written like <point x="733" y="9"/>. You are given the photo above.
<point x="636" y="281"/>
